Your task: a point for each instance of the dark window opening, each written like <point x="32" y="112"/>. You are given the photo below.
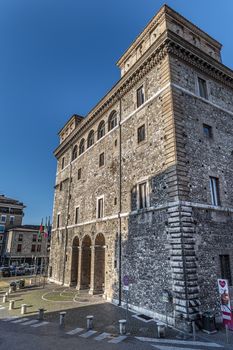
<point x="76" y="215"/>
<point x="142" y="196"/>
<point x="75" y="152"/>
<point x="101" y="159"/>
<point x="202" y="86"/>
<point x="140" y="96"/>
<point x="19" y="248"/>
<point x="63" y="162"/>
<point x="101" y="129"/>
<point x="112" y="120"/>
<point x="79" y="173"/>
<point x="58" y="220"/>
<point x="225" y="268"/>
<point x="100" y="208"/>
<point x="90" y="140"/>
<point x="141" y="133"/>
<point x="82" y="146"/>
<point x="214" y="191"/>
<point x="207" y="130"/>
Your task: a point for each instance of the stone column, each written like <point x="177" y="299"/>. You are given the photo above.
<point x="79" y="279"/>
<point x="92" y="277"/>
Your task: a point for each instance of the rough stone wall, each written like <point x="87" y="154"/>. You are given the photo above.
<point x="205" y="157"/>
<point x="165" y="245"/>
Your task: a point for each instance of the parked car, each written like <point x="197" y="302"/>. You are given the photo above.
<point x="20" y="271"/>
<point x="5" y="272"/>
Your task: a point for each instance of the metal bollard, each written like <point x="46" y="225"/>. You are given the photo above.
<point x="7" y="294"/>
<point x="4" y="298"/>
<point x="40" y="314"/>
<point x="122" y="327"/>
<point x="10" y="290"/>
<point x="23" y="309"/>
<point x="62" y="318"/>
<point x="11" y="304"/>
<point x="90" y="322"/>
<point x="161" y="329"/>
<point x="31" y="282"/>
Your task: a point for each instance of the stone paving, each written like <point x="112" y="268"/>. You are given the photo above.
<point x="77" y="306"/>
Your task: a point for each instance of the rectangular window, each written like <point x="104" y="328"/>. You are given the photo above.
<point x="76" y="215"/>
<point x="39" y="248"/>
<point x="141" y="133"/>
<point x="142" y="195"/>
<point x="19" y="248"/>
<point x="101" y="159"/>
<point x="214" y="191"/>
<point x="225" y="268"/>
<point x="3" y="218"/>
<point x="1" y="238"/>
<point x="20" y="237"/>
<point x="33" y="248"/>
<point x="58" y="220"/>
<point x="202" y="88"/>
<point x="2" y="228"/>
<point x="100" y="208"/>
<point x="207" y="130"/>
<point x="63" y="162"/>
<point x="60" y="186"/>
<point x="140" y="96"/>
<point x="34" y="237"/>
<point x="12" y="219"/>
<point x="79" y="173"/>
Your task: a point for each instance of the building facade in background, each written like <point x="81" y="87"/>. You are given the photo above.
<point x="11" y="215"/>
<point x="24" y="246"/>
<point x="144" y="183"/>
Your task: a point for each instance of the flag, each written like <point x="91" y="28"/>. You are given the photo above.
<point x="46" y="229"/>
<point x="49" y="227"/>
<point x="39" y="234"/>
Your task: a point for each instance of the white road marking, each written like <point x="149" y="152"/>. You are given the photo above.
<point x="75" y="331"/>
<point x="164" y="347"/>
<point x="88" y="334"/>
<point x="118" y="339"/>
<point x="102" y="336"/>
<point x="29" y="322"/>
<point x="11" y="318"/>
<point x="39" y="324"/>
<point x="179" y="342"/>
<point x="20" y="320"/>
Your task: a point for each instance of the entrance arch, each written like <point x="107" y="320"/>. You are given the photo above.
<point x="86" y="263"/>
<point x="74" y="262"/>
<point x="99" y="274"/>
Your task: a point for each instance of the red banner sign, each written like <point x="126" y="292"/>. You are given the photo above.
<point x="225" y="302"/>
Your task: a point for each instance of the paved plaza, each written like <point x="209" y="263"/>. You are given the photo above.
<point x="27" y="332"/>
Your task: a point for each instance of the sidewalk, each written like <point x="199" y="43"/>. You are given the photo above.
<point x="77" y="305"/>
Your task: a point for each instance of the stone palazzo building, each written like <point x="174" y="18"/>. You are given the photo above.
<point x="144" y="183"/>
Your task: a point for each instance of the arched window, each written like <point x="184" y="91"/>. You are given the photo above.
<point x="112" y="120"/>
<point x="90" y="139"/>
<point x="101" y="129"/>
<point x="82" y="146"/>
<point x="74" y="152"/>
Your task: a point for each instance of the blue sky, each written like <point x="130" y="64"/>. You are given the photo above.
<point x="58" y="58"/>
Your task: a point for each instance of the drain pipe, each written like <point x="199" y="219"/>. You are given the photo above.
<point x="120" y="207"/>
<point x="67" y="221"/>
